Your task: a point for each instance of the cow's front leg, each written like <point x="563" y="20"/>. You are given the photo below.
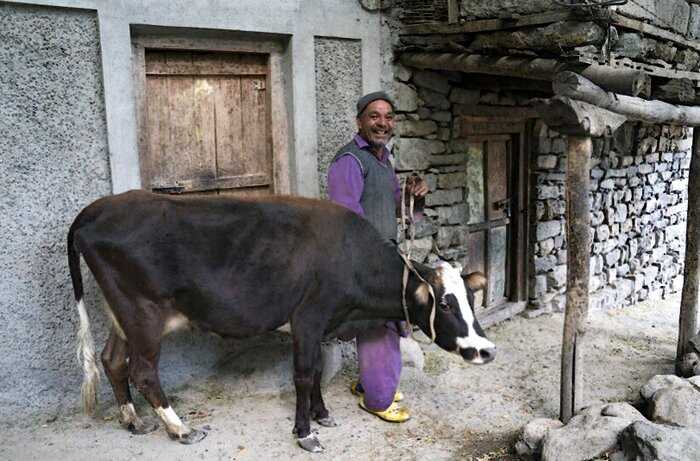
<point x="305" y="352"/>
<point x="319" y="412"/>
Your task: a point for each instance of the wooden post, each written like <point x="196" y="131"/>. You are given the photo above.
<point x="578" y="223"/>
<point x="452" y="11"/>
<point x="687" y="322"/>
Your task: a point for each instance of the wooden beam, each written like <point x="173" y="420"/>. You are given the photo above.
<point x="687" y="323"/>
<point x="648" y="29"/>
<point x="622" y="80"/>
<point x="578" y="118"/>
<point x="578" y="237"/>
<point x="580" y="88"/>
<point x="537" y="68"/>
<point x="626" y="81"/>
<point x="620" y="63"/>
<point x="485" y="25"/>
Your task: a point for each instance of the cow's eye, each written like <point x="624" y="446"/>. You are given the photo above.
<point x="444" y="305"/>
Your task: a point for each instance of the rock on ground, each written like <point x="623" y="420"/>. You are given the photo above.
<point x="646" y="441"/>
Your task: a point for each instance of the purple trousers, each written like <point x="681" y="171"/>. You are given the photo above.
<point x="379" y="357"/>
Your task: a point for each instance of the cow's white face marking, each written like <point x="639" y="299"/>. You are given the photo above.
<point x="172" y="421"/>
<point x="454" y="285"/>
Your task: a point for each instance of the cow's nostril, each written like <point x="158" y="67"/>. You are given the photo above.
<point x="487" y="354"/>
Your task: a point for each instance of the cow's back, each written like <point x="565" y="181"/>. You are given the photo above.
<point x="235" y="266"/>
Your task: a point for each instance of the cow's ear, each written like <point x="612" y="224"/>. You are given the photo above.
<point x="475" y="281"/>
<point x="422" y="294"/>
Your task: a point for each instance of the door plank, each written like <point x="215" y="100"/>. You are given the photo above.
<point x="255" y="156"/>
<point x="229" y="127"/>
<point x="496" y="178"/>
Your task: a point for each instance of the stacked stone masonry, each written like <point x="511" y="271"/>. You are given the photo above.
<point x="638" y="195"/>
<point x="639" y="182"/>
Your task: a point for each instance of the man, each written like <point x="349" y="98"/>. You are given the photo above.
<point x="362" y="179"/>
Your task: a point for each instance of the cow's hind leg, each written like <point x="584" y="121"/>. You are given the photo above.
<point x="319" y="412"/>
<point x="143" y="371"/>
<point x="114" y="360"/>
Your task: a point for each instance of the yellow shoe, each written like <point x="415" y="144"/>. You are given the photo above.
<point x="394" y="414"/>
<point x="398" y="396"/>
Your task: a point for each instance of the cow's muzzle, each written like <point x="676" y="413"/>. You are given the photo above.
<point x="478" y="356"/>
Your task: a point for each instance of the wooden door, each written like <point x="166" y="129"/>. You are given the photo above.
<point x="489" y="199"/>
<point x="206" y="123"/>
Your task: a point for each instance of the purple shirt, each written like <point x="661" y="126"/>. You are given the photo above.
<point x="346" y="181"/>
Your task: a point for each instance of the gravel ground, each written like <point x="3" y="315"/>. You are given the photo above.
<point x="459" y="411"/>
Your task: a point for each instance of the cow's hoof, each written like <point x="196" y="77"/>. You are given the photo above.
<point x="141" y="427"/>
<point x="310" y="443"/>
<point x="328" y="421"/>
<point x="193" y="436"/>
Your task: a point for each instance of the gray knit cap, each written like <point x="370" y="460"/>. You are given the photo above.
<point x="365" y="100"/>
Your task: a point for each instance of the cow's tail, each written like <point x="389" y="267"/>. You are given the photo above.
<point x="86" y="344"/>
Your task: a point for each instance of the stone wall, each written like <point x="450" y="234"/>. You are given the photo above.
<point x="638" y="196"/>
<point x="638" y="204"/>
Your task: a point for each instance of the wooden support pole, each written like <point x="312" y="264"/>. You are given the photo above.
<point x="687" y="323"/>
<point x="578" y="223"/>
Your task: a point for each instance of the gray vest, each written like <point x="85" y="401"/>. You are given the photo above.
<point x="378" y="194"/>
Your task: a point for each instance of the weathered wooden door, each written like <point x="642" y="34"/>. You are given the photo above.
<point x="496" y="197"/>
<point x="206" y="123"/>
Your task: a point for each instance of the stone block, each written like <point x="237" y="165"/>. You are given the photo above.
<point x="441" y="116"/>
<point x="679" y="185"/>
<point x="442" y="160"/>
<point x="432" y="80"/>
<point x="464" y="96"/>
<point x="544" y="264"/>
<point x="545" y="192"/>
<point x="607" y="184"/>
<point x="414" y="154"/>
<point x="433" y="99"/>
<point x="420" y="249"/>
<point x="548" y="229"/>
<point x="545" y="247"/>
<point x="456" y="214"/>
<point x="673" y="14"/>
<point x="405" y="97"/>
<point x="415" y="128"/>
<point x="444" y="197"/>
<point x="452" y="180"/>
<point x="547" y="162"/>
<point x="557" y="277"/>
<point x="402" y="73"/>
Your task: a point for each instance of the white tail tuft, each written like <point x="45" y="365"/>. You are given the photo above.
<point x="86" y="355"/>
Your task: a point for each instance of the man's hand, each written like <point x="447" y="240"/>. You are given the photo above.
<point x="416" y="186"/>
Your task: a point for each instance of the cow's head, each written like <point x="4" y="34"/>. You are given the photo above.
<point x="456" y="327"/>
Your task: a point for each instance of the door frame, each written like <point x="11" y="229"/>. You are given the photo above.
<point x="278" y="118"/>
<point x="472" y="124"/>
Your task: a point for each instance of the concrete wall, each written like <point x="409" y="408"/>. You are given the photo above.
<point x="53" y="161"/>
<point x="338" y="86"/>
<point x="68" y="134"/>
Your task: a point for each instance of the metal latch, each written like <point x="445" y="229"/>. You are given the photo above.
<point x="503" y="205"/>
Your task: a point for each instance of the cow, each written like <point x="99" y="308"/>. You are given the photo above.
<point x="239" y="267"/>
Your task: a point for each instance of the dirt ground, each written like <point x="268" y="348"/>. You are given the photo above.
<point x="458" y="411"/>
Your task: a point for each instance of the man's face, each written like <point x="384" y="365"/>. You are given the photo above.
<point x="376" y="123"/>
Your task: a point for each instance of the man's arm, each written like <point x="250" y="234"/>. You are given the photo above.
<point x="346" y="183"/>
